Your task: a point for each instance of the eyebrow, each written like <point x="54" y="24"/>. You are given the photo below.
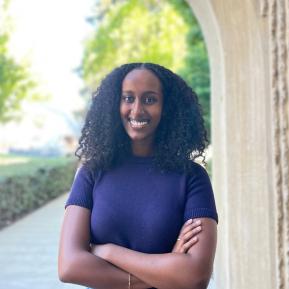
<point x="148" y="91"/>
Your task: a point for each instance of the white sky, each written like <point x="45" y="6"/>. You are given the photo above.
<point x="49" y="33"/>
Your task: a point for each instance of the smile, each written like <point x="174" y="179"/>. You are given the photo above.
<point x="137" y="123"/>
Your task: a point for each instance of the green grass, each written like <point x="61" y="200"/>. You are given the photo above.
<point x="14" y="165"/>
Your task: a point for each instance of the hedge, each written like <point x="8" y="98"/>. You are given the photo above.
<point x="20" y="195"/>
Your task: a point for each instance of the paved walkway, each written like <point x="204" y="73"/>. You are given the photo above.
<point x="28" y="250"/>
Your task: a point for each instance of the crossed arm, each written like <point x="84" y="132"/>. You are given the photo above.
<point x="108" y="265"/>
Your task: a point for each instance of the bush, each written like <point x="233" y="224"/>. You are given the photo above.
<point x="21" y="194"/>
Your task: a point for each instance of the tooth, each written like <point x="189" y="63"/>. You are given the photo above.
<point x="138" y="123"/>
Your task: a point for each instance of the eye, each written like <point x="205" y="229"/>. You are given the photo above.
<point x="150" y="100"/>
<point x="128" y="98"/>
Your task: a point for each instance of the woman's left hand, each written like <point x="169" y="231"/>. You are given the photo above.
<point x="100" y="250"/>
<point x="188" y="236"/>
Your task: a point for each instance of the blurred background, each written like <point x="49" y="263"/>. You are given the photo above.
<point x="53" y="54"/>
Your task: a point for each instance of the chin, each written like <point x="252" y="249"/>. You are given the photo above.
<point x="139" y="137"/>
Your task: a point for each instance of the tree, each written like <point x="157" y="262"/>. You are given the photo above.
<point x="196" y="70"/>
<point x="15" y="82"/>
<point x="134" y="31"/>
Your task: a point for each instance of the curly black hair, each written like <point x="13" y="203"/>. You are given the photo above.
<point x="180" y="138"/>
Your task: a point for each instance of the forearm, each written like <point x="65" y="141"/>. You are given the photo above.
<point x="165" y="271"/>
<point x="88" y="270"/>
<point x="76" y="263"/>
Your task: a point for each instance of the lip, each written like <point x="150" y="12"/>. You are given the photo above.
<point x="138" y="119"/>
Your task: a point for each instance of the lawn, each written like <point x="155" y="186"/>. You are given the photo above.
<point x="14" y="165"/>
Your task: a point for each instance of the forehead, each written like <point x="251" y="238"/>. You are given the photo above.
<point x="141" y="79"/>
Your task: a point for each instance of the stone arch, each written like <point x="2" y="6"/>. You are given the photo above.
<point x="210" y="28"/>
<point x="247" y="43"/>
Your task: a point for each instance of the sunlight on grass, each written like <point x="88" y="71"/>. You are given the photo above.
<point x="11" y="165"/>
<point x="9" y="160"/>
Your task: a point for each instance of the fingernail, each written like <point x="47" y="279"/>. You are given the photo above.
<point x="189" y="221"/>
<point x="198" y="222"/>
<point x="195" y="239"/>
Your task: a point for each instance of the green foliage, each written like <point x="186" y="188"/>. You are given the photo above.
<point x="21" y="194"/>
<point x="164" y="32"/>
<point x="196" y="71"/>
<point x="134" y="31"/>
<point x="15" y="82"/>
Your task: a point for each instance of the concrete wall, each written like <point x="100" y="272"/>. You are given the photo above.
<point x="247" y="43"/>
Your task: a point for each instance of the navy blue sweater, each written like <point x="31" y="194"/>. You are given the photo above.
<point x="138" y="207"/>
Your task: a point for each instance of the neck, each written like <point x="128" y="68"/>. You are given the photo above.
<point x="142" y="151"/>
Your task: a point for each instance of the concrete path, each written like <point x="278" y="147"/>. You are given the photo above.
<point x="28" y="250"/>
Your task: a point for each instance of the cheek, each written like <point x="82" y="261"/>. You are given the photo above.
<point x="158" y="113"/>
<point x="122" y="111"/>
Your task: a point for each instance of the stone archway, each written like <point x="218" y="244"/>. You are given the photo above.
<point x="247" y="47"/>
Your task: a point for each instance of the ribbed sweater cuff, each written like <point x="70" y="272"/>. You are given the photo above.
<point x="202" y="213"/>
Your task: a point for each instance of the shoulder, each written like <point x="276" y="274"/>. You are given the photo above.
<point x="198" y="172"/>
<point x="198" y="179"/>
<point x="87" y="173"/>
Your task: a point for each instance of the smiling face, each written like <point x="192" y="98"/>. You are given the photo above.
<point x="141" y="108"/>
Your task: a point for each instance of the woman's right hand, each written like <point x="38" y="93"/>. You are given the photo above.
<point x="188" y="236"/>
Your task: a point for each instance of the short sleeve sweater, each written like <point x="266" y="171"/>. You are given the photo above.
<point x="139" y="207"/>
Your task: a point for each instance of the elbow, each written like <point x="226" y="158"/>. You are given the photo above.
<point x="196" y="280"/>
<point x="197" y="283"/>
<point x="199" y="276"/>
<point x="66" y="270"/>
<point x="191" y="283"/>
<point x="64" y="274"/>
<point x="201" y="284"/>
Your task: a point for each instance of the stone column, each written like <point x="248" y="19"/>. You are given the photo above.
<point x="248" y="47"/>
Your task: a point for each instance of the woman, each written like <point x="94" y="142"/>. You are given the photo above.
<point x="133" y="215"/>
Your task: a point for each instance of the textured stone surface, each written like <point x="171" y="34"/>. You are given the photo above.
<point x="247" y="43"/>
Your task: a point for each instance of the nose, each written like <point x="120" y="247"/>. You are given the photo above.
<point x="137" y="108"/>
